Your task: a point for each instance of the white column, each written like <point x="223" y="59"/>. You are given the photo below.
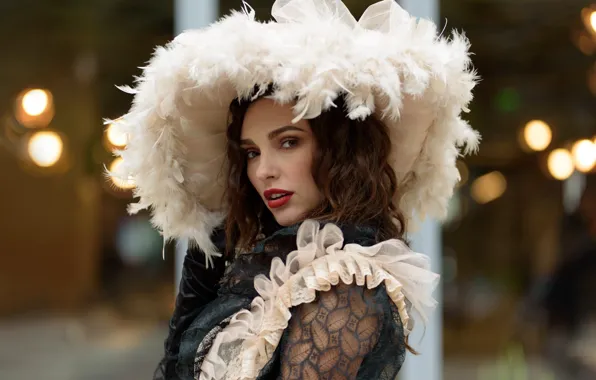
<point x="573" y="189"/>
<point x="429" y="364"/>
<point x="191" y="14"/>
<point x="194" y="14"/>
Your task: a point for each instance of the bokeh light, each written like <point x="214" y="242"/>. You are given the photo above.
<point x="585" y="44"/>
<point x="488" y="187"/>
<point x="125" y="184"/>
<point x="34" y="108"/>
<point x="584" y="155"/>
<point x="35" y="102"/>
<point x="537" y="135"/>
<point x="560" y="164"/>
<point x="116" y="137"/>
<point x="45" y="148"/>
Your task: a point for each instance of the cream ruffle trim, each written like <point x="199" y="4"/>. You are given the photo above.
<point x="321" y="261"/>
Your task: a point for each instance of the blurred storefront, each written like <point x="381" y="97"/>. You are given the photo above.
<point x="524" y="208"/>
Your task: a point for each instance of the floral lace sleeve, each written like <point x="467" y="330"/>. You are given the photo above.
<point x="330" y="337"/>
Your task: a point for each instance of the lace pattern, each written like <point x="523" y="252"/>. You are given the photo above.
<point x="207" y="343"/>
<point x="329" y="339"/>
<point x="246" y="345"/>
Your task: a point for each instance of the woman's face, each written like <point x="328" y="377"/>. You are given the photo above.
<point x="279" y="158"/>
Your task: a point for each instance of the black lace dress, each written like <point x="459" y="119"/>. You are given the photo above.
<point x="349" y="332"/>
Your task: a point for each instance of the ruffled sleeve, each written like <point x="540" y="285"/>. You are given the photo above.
<point x="330" y="337"/>
<point x="322" y="263"/>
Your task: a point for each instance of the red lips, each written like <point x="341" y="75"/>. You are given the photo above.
<point x="277" y="197"/>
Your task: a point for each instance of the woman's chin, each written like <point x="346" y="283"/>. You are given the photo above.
<point x="288" y="217"/>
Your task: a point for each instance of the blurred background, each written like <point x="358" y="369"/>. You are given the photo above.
<point x="86" y="294"/>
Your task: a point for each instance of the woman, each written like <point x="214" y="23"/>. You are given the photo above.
<point x="316" y="138"/>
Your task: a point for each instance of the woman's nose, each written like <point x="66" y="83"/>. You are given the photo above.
<point x="267" y="168"/>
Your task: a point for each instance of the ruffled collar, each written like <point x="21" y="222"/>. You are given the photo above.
<point x="321" y="260"/>
<point x="239" y="275"/>
<point x="363" y="234"/>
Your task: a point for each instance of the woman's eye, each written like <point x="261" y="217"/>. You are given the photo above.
<point x="289" y="143"/>
<point x="251" y="154"/>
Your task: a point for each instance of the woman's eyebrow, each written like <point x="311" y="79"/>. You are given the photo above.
<point x="279" y="131"/>
<point x="273" y="134"/>
<point x="247" y="142"/>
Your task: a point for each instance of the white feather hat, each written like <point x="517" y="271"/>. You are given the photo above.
<point x="388" y="64"/>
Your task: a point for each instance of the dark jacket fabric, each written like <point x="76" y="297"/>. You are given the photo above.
<point x="208" y="298"/>
<point x="198" y="287"/>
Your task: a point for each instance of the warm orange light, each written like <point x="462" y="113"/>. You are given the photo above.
<point x="116" y="136"/>
<point x="584" y="155"/>
<point x="45" y="148"/>
<point x="35" y="102"/>
<point x="560" y="164"/>
<point x="537" y="135"/>
<point x="35" y="108"/>
<point x="489" y="187"/>
<point x="585" y="44"/>
<point x="588" y="16"/>
<point x="125" y="184"/>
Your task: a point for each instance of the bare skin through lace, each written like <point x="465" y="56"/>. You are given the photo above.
<point x="329" y="338"/>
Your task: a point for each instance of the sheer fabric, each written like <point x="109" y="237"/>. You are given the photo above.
<point x="329" y="338"/>
<point x="321" y="261"/>
<point x="365" y="333"/>
<point x="383" y="362"/>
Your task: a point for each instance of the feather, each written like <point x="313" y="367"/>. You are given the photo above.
<point x="306" y="11"/>
<point x="248" y="10"/>
<point x="127" y="89"/>
<point x="384" y="16"/>
<point x="387" y="64"/>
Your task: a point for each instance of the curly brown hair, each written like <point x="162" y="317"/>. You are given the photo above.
<point x="350" y="168"/>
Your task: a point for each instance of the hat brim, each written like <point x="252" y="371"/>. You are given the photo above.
<point x="396" y="68"/>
